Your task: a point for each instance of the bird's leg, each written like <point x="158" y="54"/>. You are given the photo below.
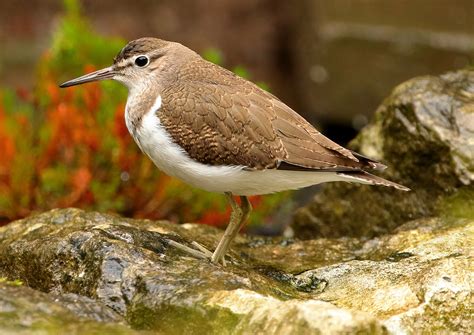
<point x="196" y="253"/>
<point x="238" y="217"/>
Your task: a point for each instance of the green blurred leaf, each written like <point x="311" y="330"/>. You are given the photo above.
<point x="213" y="55"/>
<point x="241" y="71"/>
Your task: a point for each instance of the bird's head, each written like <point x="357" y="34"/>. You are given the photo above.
<point x="140" y="62"/>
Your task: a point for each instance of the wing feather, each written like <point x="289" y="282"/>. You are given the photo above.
<point x="230" y="121"/>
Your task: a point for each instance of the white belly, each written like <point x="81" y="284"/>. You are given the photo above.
<point x="156" y="142"/>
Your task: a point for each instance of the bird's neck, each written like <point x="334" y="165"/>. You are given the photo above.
<point x="139" y="102"/>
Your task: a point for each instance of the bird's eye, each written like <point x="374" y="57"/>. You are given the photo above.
<point x="141" y="61"/>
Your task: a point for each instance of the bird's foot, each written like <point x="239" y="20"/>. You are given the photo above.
<point x="198" y="251"/>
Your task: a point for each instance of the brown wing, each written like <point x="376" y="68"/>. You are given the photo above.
<point x="220" y="124"/>
<point x="222" y="119"/>
<point x="309" y="149"/>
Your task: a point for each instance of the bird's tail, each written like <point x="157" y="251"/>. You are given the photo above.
<point x="367" y="178"/>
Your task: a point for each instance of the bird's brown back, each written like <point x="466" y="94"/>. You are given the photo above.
<point x="219" y="118"/>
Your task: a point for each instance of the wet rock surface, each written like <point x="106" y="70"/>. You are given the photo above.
<point x="27" y="311"/>
<point x="423" y="131"/>
<point x="413" y="280"/>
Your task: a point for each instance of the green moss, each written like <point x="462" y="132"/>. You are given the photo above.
<point x="15" y="282"/>
<point x="460" y="204"/>
<point x="175" y="319"/>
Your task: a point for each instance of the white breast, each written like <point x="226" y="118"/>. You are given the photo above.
<point x="156" y="142"/>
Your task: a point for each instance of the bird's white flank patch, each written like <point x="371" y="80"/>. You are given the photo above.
<point x="156" y="105"/>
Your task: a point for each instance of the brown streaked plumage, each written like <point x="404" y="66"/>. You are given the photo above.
<point x="222" y="119"/>
<point x="217" y="131"/>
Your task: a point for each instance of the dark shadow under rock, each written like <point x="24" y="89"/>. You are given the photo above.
<point x="423" y="132"/>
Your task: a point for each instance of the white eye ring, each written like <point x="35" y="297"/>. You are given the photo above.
<point x="142" y="61"/>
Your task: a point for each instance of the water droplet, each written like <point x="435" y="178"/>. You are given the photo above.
<point x="318" y="74"/>
<point x="124" y="176"/>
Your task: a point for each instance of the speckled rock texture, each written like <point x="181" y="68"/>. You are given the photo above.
<point x="424" y="132"/>
<point x="417" y="279"/>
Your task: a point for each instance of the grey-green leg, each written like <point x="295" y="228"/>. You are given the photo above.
<point x="238" y="217"/>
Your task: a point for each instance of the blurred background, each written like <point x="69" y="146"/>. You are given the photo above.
<point x="332" y="61"/>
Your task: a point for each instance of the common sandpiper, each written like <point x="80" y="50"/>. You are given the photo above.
<point x="219" y="132"/>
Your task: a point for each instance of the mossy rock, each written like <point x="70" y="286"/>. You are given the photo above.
<point x="124" y="271"/>
<point x="27" y="311"/>
<point x="423" y="131"/>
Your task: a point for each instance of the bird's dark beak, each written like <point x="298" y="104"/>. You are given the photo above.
<point x="107" y="73"/>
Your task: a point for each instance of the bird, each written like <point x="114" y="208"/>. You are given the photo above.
<point x="216" y="131"/>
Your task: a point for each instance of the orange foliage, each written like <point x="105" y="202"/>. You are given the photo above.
<point x="215" y="218"/>
<point x="7" y="150"/>
<point x="61" y="168"/>
<point x="80" y="183"/>
<point x="70" y="147"/>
